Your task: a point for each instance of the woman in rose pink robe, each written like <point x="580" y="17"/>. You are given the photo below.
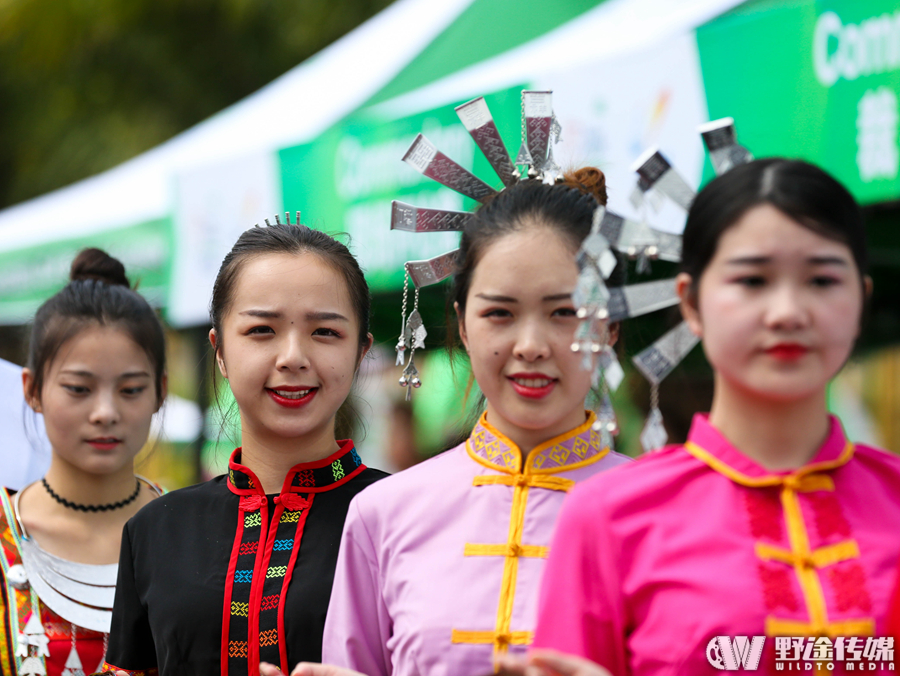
<point x="768" y="522"/>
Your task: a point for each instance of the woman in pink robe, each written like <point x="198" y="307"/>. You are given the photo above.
<point x="440" y="564"/>
<point x="768" y="522"/>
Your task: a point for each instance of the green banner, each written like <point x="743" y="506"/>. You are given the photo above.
<point x="31" y="275"/>
<point x="816" y="80"/>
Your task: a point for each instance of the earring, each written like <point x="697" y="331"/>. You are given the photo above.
<point x="413" y="337"/>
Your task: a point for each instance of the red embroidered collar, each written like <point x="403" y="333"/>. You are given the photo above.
<point x="264" y="554"/>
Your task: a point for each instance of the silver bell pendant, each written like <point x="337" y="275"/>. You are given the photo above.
<point x="17" y="577"/>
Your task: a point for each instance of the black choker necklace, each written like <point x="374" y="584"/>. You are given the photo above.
<point x="94" y="508"/>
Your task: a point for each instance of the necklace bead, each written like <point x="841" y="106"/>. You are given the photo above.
<point x="112" y="506"/>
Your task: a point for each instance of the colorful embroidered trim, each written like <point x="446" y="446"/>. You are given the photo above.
<point x="576" y="448"/>
<point x="110" y="670"/>
<point x="807" y="563"/>
<point x="264" y="554"/>
<point x="19" y="605"/>
<point x="314" y="477"/>
<point x="490" y="448"/>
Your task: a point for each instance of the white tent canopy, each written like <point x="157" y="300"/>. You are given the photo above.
<point x="612" y="29"/>
<point x="216" y="179"/>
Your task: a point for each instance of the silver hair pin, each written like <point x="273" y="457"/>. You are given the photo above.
<point x="425" y="158"/>
<point x="407" y="218"/>
<point x="658" y="174"/>
<point x="656" y="179"/>
<point x="477" y="119"/>
<point x="540" y="130"/>
<point x="720" y="139"/>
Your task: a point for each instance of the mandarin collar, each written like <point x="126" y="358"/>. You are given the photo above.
<point x="306" y="477"/>
<point x="710" y="446"/>
<point x="567" y="451"/>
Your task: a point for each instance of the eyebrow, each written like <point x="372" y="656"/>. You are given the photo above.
<point x="263" y="314"/>
<point x="764" y="260"/>
<point x="749" y="260"/>
<point x="74" y="372"/>
<point x="509" y="299"/>
<point x="827" y="260"/>
<point x="496" y="299"/>
<point x="323" y="316"/>
<point x="88" y="374"/>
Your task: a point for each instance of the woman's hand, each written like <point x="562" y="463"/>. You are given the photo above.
<point x="543" y="663"/>
<point x="307" y="669"/>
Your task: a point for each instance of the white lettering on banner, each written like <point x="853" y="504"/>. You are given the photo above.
<point x="728" y="654"/>
<point x="877" y="155"/>
<point x="851" y="51"/>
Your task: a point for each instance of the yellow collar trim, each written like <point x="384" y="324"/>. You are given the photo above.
<point x="797" y="479"/>
<point x="511" y="456"/>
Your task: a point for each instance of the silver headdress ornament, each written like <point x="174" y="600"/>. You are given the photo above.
<point x="598" y="305"/>
<point x="287" y="220"/>
<point x="540" y="131"/>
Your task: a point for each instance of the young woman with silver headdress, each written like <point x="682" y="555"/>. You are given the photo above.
<point x="96" y="370"/>
<point x="440" y="564"/>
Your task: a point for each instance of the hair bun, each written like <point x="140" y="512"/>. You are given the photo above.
<point x="589" y="180"/>
<point x="99" y="265"/>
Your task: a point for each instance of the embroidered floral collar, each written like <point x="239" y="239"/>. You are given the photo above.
<point x="573" y="449"/>
<point x="710" y="446"/>
<point x="306" y="477"/>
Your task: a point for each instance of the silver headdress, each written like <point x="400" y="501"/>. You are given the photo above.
<point x="287" y="219"/>
<point x="598" y="305"/>
<point x="540" y="131"/>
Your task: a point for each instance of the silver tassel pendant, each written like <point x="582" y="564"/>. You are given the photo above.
<point x="654" y="435"/>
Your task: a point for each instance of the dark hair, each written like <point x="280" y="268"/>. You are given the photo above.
<point x="567" y="207"/>
<point x="289" y="239"/>
<point x="98" y="293"/>
<point x="800" y="190"/>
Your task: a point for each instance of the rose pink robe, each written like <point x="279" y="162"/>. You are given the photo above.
<point x="696" y="541"/>
<point x="440" y="564"/>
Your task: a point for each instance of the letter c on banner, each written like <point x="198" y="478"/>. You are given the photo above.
<point x="828" y="68"/>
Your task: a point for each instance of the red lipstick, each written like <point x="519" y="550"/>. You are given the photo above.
<point x="787" y="351"/>
<point x="532" y="388"/>
<point x="104" y="443"/>
<point x="291" y="402"/>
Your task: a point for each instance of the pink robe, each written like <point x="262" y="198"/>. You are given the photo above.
<point x="439" y="565"/>
<point x="698" y="541"/>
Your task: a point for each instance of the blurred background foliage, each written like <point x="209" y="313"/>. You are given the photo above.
<point x="87" y="84"/>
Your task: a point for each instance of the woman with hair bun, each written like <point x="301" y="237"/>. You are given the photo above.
<point x="768" y="523"/>
<point x="216" y="578"/>
<point x="97" y="371"/>
<point x="440" y="564"/>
